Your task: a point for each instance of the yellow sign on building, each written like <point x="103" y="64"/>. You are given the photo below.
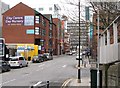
<point x="27" y="50"/>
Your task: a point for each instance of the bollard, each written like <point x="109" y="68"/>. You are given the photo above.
<point x="47" y="84"/>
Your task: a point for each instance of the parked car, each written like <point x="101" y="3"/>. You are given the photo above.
<point x="69" y="53"/>
<point x="18" y="61"/>
<point x="47" y="56"/>
<point x="77" y="56"/>
<point x="38" y="58"/>
<point x="4" y="66"/>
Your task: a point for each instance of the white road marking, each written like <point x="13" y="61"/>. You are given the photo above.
<point x="64" y="66"/>
<point x="41" y="68"/>
<point x="8" y="81"/>
<point x="25" y="75"/>
<point x="37" y="83"/>
<point x="41" y="65"/>
<point x="37" y="70"/>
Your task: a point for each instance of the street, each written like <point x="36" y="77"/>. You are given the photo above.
<point x="55" y="71"/>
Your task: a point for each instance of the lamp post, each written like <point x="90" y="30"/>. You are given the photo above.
<point x="79" y="74"/>
<point x="98" y="52"/>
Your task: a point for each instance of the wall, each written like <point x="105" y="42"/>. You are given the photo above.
<point x="17" y="33"/>
<point x="112" y="75"/>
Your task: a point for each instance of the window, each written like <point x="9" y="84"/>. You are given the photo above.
<point x="105" y="38"/>
<point x="21" y="58"/>
<point x="50" y="26"/>
<point x="50" y="42"/>
<point x="118" y="31"/>
<point x="50" y="8"/>
<point x="111" y="36"/>
<point x="37" y="30"/>
<point x="42" y="42"/>
<point x="41" y="9"/>
<point x="50" y="34"/>
<point x="43" y="22"/>
<point x="37" y="19"/>
<point x="43" y="32"/>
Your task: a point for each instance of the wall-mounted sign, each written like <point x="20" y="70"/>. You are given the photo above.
<point x="14" y="20"/>
<point x="30" y="31"/>
<point x="28" y="20"/>
<point x="19" y="20"/>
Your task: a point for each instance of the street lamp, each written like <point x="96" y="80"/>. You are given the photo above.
<point x="98" y="52"/>
<point x="79" y="74"/>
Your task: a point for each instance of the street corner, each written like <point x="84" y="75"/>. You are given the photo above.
<point x="66" y="83"/>
<point x="72" y="82"/>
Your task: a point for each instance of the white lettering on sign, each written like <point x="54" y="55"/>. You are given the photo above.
<point x="14" y="20"/>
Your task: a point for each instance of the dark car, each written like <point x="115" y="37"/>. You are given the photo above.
<point x="4" y="66"/>
<point x="38" y="58"/>
<point x="47" y="56"/>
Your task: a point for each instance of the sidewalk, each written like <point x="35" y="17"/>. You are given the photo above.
<point x="73" y="82"/>
<point x="85" y="81"/>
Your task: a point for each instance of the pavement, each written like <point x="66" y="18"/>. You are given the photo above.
<point x="85" y="81"/>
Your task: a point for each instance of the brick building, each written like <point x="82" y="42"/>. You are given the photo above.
<point x="24" y="25"/>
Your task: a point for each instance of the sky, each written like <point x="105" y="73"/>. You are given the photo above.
<point x="36" y="3"/>
<point x="29" y="2"/>
<point x="33" y="3"/>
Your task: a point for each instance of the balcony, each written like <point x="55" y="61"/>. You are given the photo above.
<point x="110" y="53"/>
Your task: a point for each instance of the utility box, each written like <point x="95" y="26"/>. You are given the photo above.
<point x="93" y="73"/>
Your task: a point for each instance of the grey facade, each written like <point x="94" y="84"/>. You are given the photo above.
<point x="3" y="7"/>
<point x="73" y="30"/>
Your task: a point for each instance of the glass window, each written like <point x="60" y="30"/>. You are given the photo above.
<point x="50" y="8"/>
<point x="118" y="31"/>
<point x="111" y="36"/>
<point x="37" y="30"/>
<point x="50" y="34"/>
<point x="37" y="19"/>
<point x="50" y="26"/>
<point x="41" y="9"/>
<point x="50" y="42"/>
<point x="14" y="59"/>
<point x="43" y="32"/>
<point x="43" y="22"/>
<point x="1" y="49"/>
<point x="21" y="58"/>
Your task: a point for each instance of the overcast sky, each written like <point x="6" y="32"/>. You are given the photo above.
<point x="36" y="3"/>
<point x="29" y="2"/>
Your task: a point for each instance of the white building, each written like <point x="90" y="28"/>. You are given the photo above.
<point x="3" y="7"/>
<point x="53" y="9"/>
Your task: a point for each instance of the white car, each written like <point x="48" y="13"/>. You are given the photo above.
<point x="77" y="56"/>
<point x="18" y="61"/>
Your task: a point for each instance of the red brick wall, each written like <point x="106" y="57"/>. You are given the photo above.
<point x="17" y="33"/>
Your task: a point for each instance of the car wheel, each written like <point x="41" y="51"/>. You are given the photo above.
<point x="8" y="69"/>
<point x="20" y="65"/>
<point x="26" y="65"/>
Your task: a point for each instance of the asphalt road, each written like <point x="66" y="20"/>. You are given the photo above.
<point x="55" y="71"/>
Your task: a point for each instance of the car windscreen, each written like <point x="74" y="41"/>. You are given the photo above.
<point x="13" y="59"/>
<point x="35" y="57"/>
<point x="46" y="54"/>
